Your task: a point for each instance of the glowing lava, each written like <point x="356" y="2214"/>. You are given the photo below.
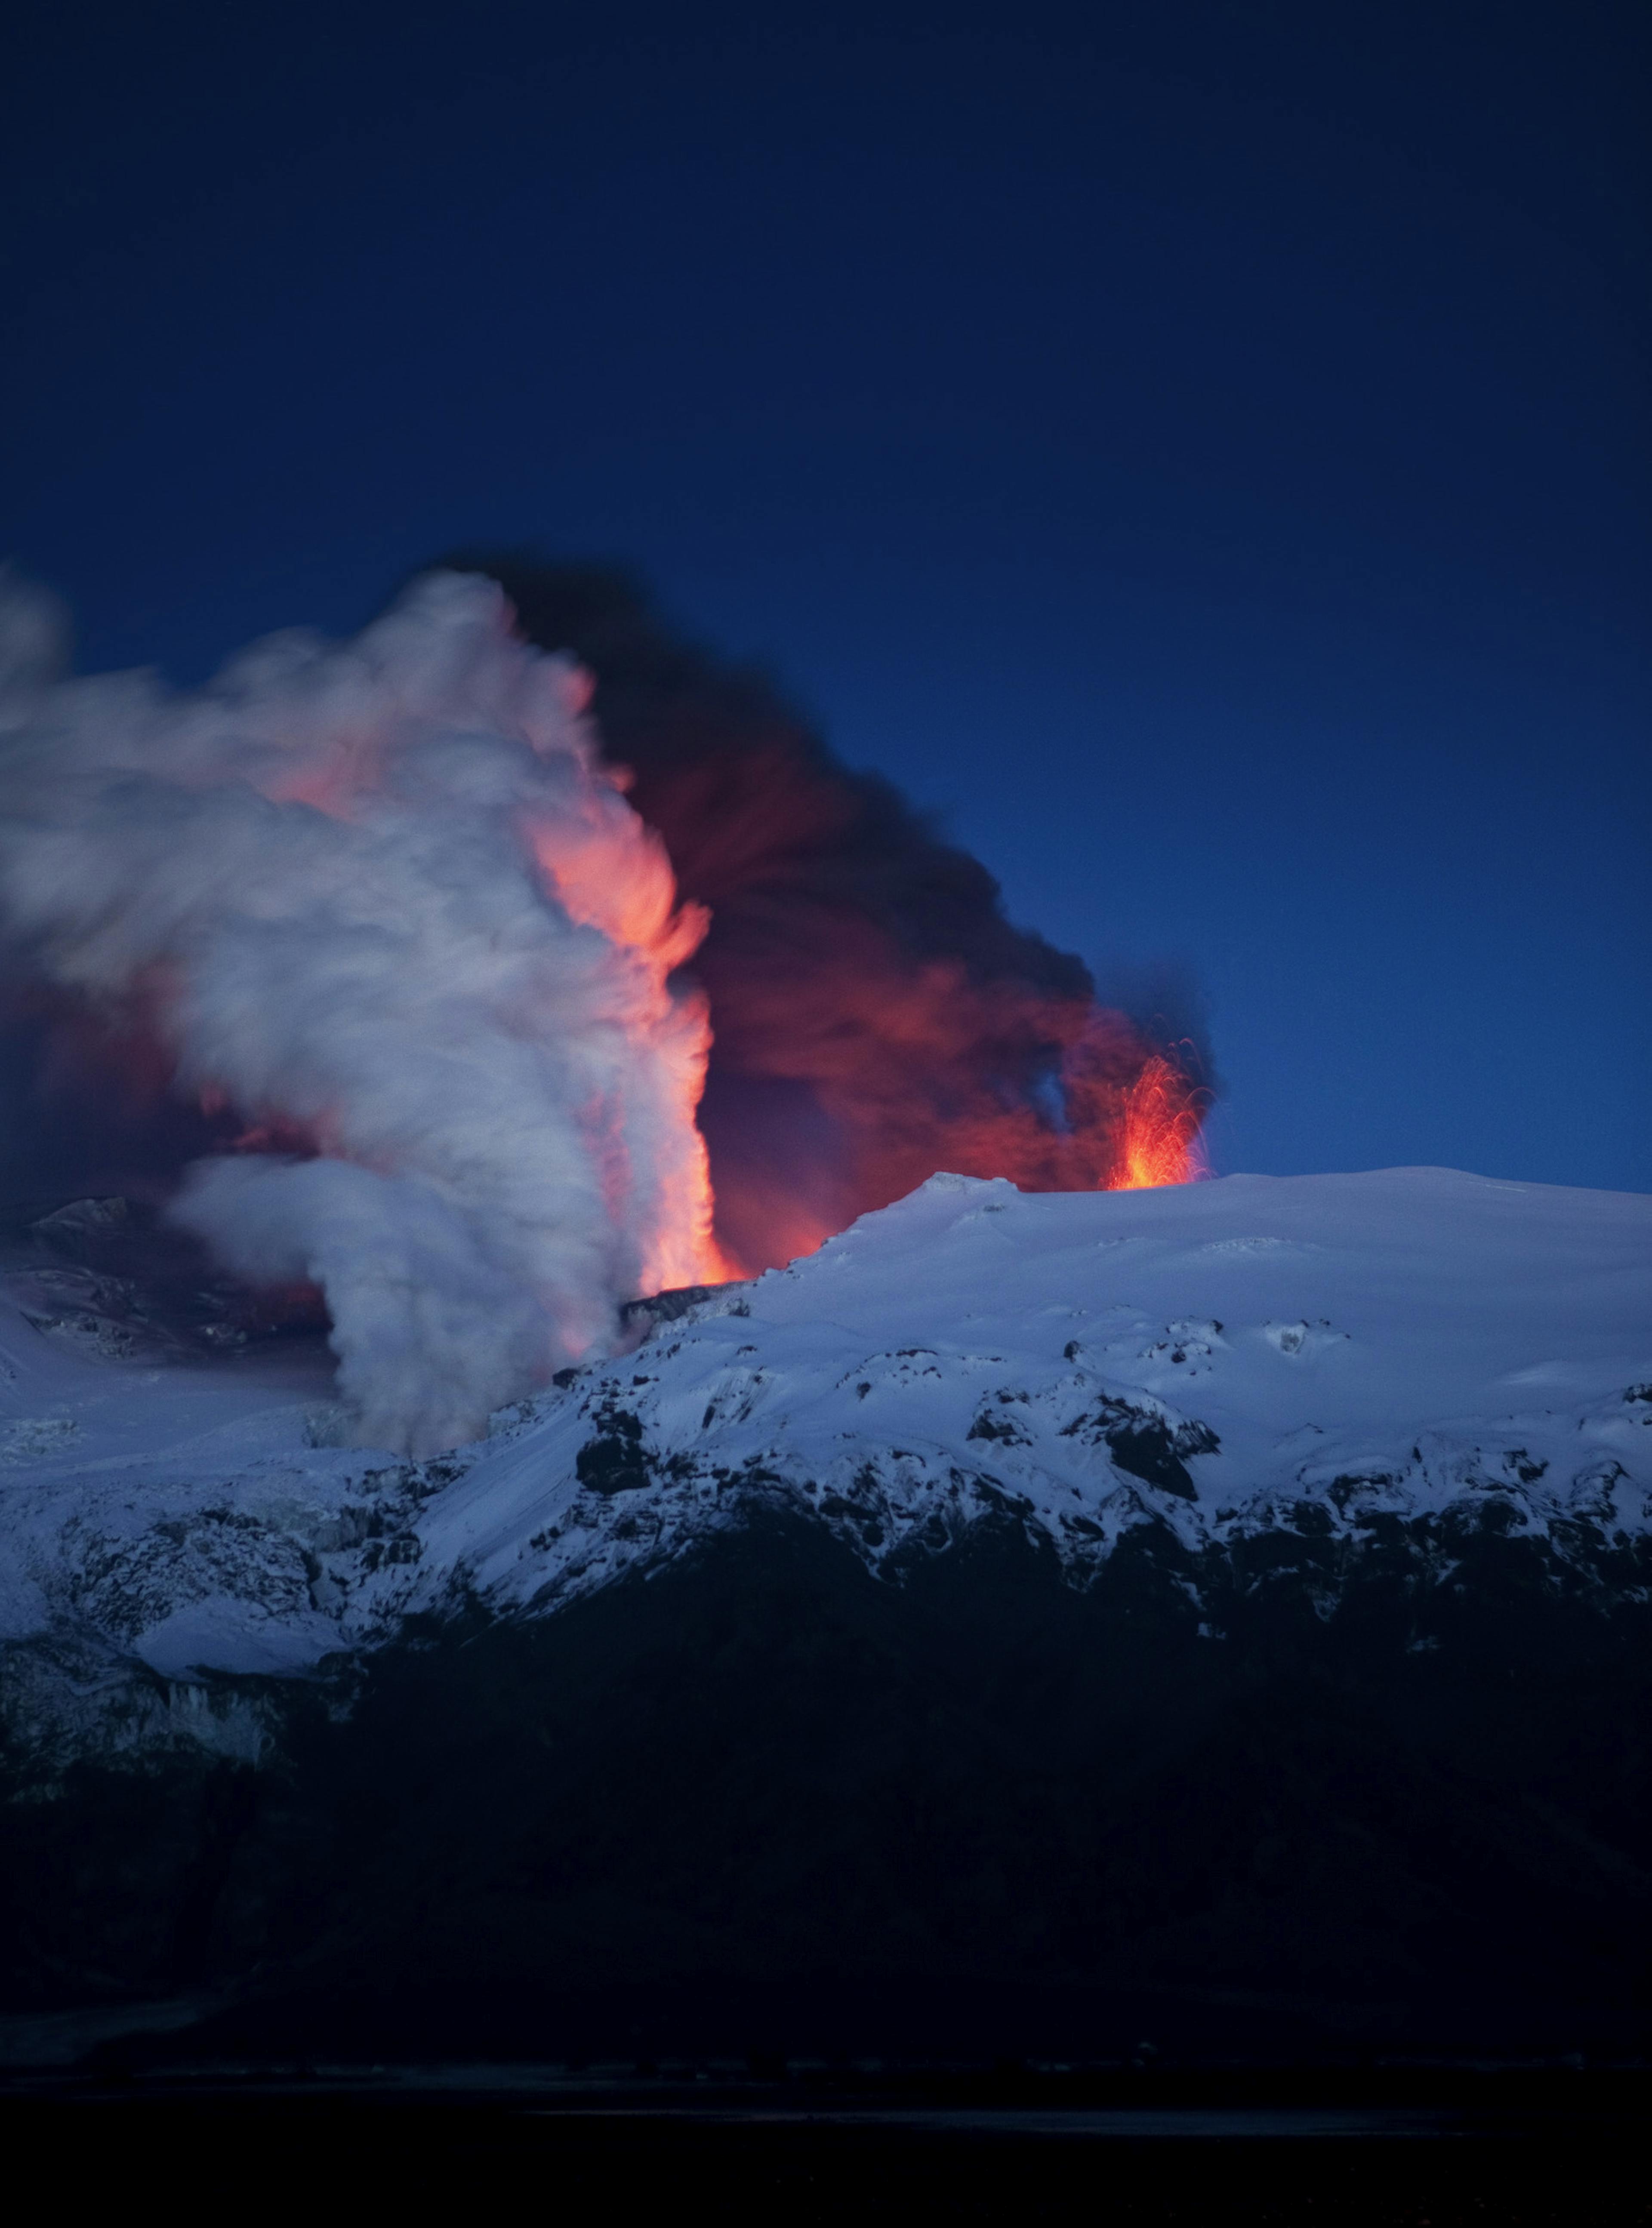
<point x="1162" y="1121"/>
<point x="610" y="873"/>
<point x="875" y="1017"/>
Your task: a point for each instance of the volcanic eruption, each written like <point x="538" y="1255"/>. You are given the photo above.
<point x="511" y="960"/>
<point x="876" y="1016"/>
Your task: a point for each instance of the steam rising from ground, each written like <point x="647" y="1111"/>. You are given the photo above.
<point x="386" y="903"/>
<point x="363" y="959"/>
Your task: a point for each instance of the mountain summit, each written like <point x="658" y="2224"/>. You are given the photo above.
<point x="1230" y="1596"/>
<point x="1340" y="1360"/>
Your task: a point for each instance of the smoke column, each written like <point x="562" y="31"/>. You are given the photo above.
<point x="383" y="908"/>
<point x="876" y="1015"/>
<point x="400" y="977"/>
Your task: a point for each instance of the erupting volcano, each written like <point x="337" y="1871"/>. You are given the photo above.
<point x="874" y="1015"/>
<point x="511" y="960"/>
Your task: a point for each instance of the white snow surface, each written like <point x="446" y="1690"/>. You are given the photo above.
<point x="1387" y="1343"/>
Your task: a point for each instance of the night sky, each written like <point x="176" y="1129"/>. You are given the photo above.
<point x="1199" y="452"/>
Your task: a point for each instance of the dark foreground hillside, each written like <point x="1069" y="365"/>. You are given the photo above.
<point x="765" y="1807"/>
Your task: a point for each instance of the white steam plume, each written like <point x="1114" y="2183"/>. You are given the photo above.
<point x="385" y="895"/>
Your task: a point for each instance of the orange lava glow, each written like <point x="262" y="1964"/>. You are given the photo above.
<point x="875" y="1020"/>
<point x="607" y="870"/>
<point x="905" y="1065"/>
<point x="1163" y="1116"/>
<point x="911" y="1065"/>
<point x="610" y="872"/>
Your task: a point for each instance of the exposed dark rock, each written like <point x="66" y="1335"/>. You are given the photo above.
<point x="666" y="1307"/>
<point x="614" y="1460"/>
<point x="1228" y="1804"/>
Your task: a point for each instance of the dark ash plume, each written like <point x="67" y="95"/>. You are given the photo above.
<point x="876" y="1015"/>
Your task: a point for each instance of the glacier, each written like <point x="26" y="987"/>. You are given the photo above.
<point x="1339" y="1360"/>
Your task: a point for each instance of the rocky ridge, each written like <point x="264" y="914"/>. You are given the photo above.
<point x="1250" y="1386"/>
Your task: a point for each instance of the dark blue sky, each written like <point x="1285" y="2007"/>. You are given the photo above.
<point x="1198" y="451"/>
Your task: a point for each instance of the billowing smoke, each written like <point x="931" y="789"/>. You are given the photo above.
<point x="383" y="917"/>
<point x="397" y="974"/>
<point x="876" y="1015"/>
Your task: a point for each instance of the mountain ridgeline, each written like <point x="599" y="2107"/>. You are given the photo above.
<point x="1201" y="1624"/>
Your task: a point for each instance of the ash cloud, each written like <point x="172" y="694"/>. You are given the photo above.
<point x="395" y="974"/>
<point x="380" y="910"/>
<point x="876" y="1015"/>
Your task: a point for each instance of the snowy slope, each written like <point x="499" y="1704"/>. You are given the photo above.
<point x="1313" y="1354"/>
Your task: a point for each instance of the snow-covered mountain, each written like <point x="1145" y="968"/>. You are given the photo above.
<point x="1336" y="1363"/>
<point x="1030" y="1623"/>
